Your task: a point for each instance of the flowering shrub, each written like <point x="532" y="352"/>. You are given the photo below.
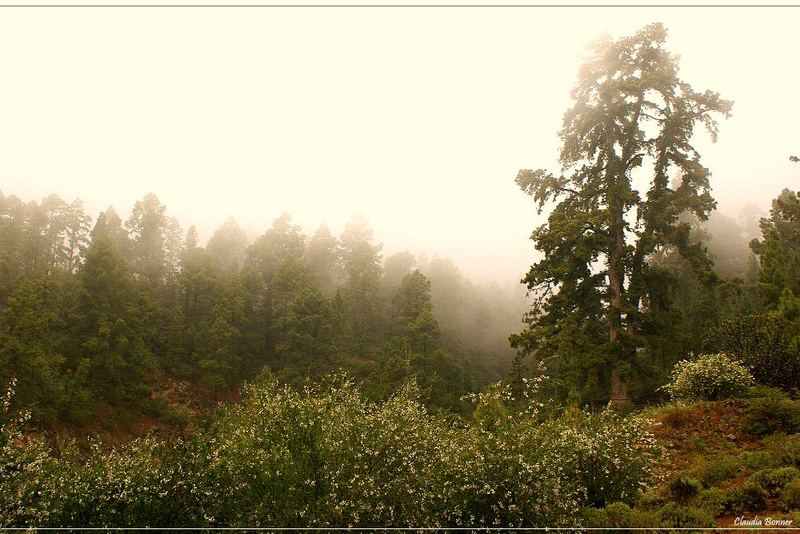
<point x="709" y="377"/>
<point x="325" y="456"/>
<point x="608" y="456"/>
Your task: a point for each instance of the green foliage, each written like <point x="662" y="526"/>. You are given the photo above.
<point x="490" y="410"/>
<point x="772" y="413"/>
<point x="789" y="499"/>
<point x="618" y="515"/>
<point x="774" y="480"/>
<point x="416" y="351"/>
<point x="709" y="377"/>
<point x="111" y="323"/>
<point x="413" y="313"/>
<point x="610" y="455"/>
<point x="652" y="498"/>
<point x="779" y="253"/>
<point x="306" y="343"/>
<point x="681" y="489"/>
<point x="148" y="228"/>
<point x="97" y="320"/>
<point x="696" y="443"/>
<point x="672" y="515"/>
<point x="227" y="247"/>
<point x="714" y="501"/>
<point x="361" y="290"/>
<point x="718" y="470"/>
<point x="766" y="343"/>
<point x="785" y="449"/>
<point x="30" y="346"/>
<point x="759" y="460"/>
<point x="323" y="261"/>
<point x="747" y="498"/>
<point x="26" y="470"/>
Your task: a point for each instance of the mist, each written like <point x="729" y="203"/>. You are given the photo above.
<point x="399" y="266"/>
<point x="417" y="119"/>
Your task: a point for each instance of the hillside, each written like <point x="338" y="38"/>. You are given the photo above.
<point x="723" y="460"/>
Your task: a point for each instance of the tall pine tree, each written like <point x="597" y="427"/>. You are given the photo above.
<point x="632" y="115"/>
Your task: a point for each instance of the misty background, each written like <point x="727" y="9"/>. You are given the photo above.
<point x="416" y="119"/>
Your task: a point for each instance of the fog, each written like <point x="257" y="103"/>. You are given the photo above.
<point x="417" y="119"/>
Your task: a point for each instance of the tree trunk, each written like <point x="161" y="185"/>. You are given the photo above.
<point x="619" y="389"/>
<point x="616" y="276"/>
<point x="616" y="267"/>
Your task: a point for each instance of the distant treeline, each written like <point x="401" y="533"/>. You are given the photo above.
<point x="99" y="317"/>
<point x="95" y="315"/>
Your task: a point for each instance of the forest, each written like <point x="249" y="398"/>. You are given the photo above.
<point x="101" y="320"/>
<point x="645" y="373"/>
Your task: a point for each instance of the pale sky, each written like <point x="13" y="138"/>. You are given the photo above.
<point x="419" y="119"/>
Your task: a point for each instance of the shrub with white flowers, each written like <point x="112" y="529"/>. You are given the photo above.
<point x="608" y="456"/>
<point x="326" y="456"/>
<point x="709" y="377"/>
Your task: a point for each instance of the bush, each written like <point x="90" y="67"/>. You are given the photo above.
<point x="716" y="471"/>
<point x="677" y="416"/>
<point x="682" y="489"/>
<point x="26" y="472"/>
<point x="747" y="498"/>
<point x="673" y="516"/>
<point x="618" y="515"/>
<point x="766" y="344"/>
<point x="771" y="413"/>
<point x="714" y="501"/>
<point x="695" y="443"/>
<point x="137" y="485"/>
<point x="790" y="497"/>
<point x="759" y="460"/>
<point x="774" y="480"/>
<point x="710" y="377"/>
<point x="326" y="456"/>
<point x="609" y="456"/>
<point x="652" y="498"/>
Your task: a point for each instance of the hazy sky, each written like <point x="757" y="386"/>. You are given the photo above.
<point x="419" y="119"/>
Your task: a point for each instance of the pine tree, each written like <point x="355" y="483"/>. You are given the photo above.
<point x="778" y="254"/>
<point x="632" y="114"/>
<point x="30" y="346"/>
<point x="227" y="246"/>
<point x="77" y="234"/>
<point x="361" y="291"/>
<point x="322" y="259"/>
<point x="111" y="323"/>
<point x="147" y="226"/>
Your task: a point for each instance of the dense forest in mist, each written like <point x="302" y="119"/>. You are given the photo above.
<point x="101" y="315"/>
<point x="647" y="378"/>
